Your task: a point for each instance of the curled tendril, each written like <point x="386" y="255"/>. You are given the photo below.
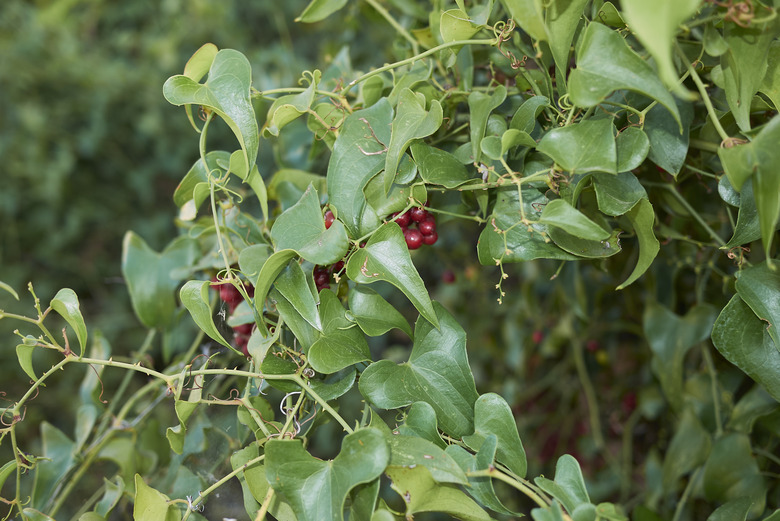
<point x="503" y="32"/>
<point x="564" y="103"/>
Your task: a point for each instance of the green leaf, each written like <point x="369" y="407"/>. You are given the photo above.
<point x="524" y="118"/>
<point x="304" y="332"/>
<point x="583" y="147"/>
<point x="562" y="17"/>
<point x="744" y="66"/>
<point x="332" y="386"/>
<point x="268" y="273"/>
<point x="358" y="155"/>
<point x="66" y="304"/>
<point x="771" y="83"/>
<point x="480" y="107"/>
<point x="735" y="510"/>
<point x="24" y="354"/>
<point x="195" y="297"/>
<point x="9" y="289"/>
<point x="743" y="340"/>
<point x="759" y="287"/>
<point x="184" y="410"/>
<point x="655" y="25"/>
<point x="437" y="373"/>
<point x="439" y="167"/>
<point x="568" y="486"/>
<point x="761" y="160"/>
<point x="669" y="147"/>
<point x="688" y="449"/>
<point x="254" y="479"/>
<point x="317" y="489"/>
<point x="493" y="417"/>
<point x="670" y="337"/>
<point x="200" y="62"/>
<point x="422" y="494"/>
<point x="286" y="109"/>
<point x="374" y="314"/>
<point x="481" y="488"/>
<point x="586" y="247"/>
<point x="456" y="25"/>
<point x="319" y="10"/>
<point x="6" y="470"/>
<point x="302" y="228"/>
<point x="559" y="213"/>
<point x="151" y="505"/>
<point x="411" y="122"/>
<point x="227" y="93"/>
<point x="632" y="146"/>
<point x="529" y="16"/>
<point x="384" y="203"/>
<point x="199" y="174"/>
<point x="595" y="78"/>
<point x="151" y="278"/>
<point x="420" y="421"/>
<point x="748" y="228"/>
<point x="411" y="451"/>
<point x="386" y="257"/>
<point x="642" y="218"/>
<point x="731" y="472"/>
<point x="617" y="194"/>
<point x="342" y="343"/>
<point x="292" y="285"/>
<point x="505" y="239"/>
<point x="58" y="459"/>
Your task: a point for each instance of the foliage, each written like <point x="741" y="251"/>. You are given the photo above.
<point x="596" y="155"/>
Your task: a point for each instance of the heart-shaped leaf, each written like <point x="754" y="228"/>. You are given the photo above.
<point x="302" y="228"/>
<point x="358" y="155"/>
<point x="439" y="167"/>
<point x="632" y="146"/>
<point x="386" y="257"/>
<point x="560" y="214"/>
<point x="287" y="108"/>
<point x="437" y="373"/>
<point x="411" y="122"/>
<point x="411" y="451"/>
<point x="595" y="78"/>
<point x="493" y="417"/>
<point x="583" y="147"/>
<point x="742" y="338"/>
<point x="317" y="489"/>
<point x="617" y="194"/>
<point x="669" y="147"/>
<point x="420" y="421"/>
<point x="150" y="276"/>
<point x="562" y="18"/>
<point x="524" y="118"/>
<point x="568" y="487"/>
<point x="342" y="343"/>
<point x="227" y="93"/>
<point x="670" y="337"/>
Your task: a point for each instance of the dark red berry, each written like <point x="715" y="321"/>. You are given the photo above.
<point x="242" y="342"/>
<point x="337" y="267"/>
<point x="403" y="219"/>
<point x="592" y="346"/>
<point x="448" y="277"/>
<point x="414" y="239"/>
<point x="228" y="293"/>
<point x="428" y="226"/>
<point x="250" y="290"/>
<point x="418" y="214"/>
<point x="329" y="218"/>
<point x="430" y="239"/>
<point x="243" y="329"/>
<point x="537" y="337"/>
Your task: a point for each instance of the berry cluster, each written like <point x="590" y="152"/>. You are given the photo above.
<point x="322" y="274"/>
<point x="419" y="227"/>
<point x="231" y="296"/>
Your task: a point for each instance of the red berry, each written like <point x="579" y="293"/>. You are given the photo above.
<point x="414" y="239"/>
<point x="243" y="329"/>
<point x="537" y="337"/>
<point x="242" y="342"/>
<point x="329" y="218"/>
<point x="428" y="226"/>
<point x="592" y="346"/>
<point x="430" y="239"/>
<point x="403" y="220"/>
<point x="448" y="277"/>
<point x="228" y="293"/>
<point x="418" y="214"/>
<point x="337" y="267"/>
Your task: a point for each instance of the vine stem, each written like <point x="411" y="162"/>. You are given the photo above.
<point x="703" y="92"/>
<point x="590" y="394"/>
<point x="305" y="388"/>
<point x="202" y="495"/>
<point x="690" y="210"/>
<point x="413" y="59"/>
<point x="686" y="493"/>
<point x="493" y="472"/>
<point x="269" y="496"/>
<point x="398" y="27"/>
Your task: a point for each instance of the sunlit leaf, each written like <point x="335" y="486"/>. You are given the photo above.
<point x="437" y="373"/>
<point x="286" y="109"/>
<point x="292" y="284"/>
<point x="66" y="304"/>
<point x="195" y="297"/>
<point x="151" y="505"/>
<point x="561" y="18"/>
